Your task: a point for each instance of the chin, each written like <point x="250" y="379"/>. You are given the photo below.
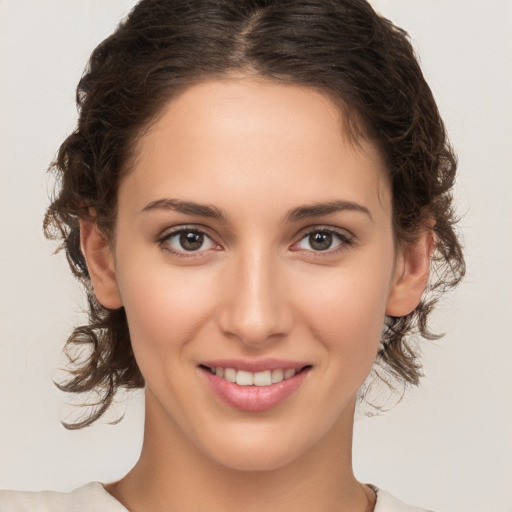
<point x="257" y="449"/>
<point x="256" y="459"/>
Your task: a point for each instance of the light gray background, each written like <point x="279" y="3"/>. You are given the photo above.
<point x="448" y="445"/>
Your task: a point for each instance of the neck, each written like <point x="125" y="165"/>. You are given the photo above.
<point x="174" y="474"/>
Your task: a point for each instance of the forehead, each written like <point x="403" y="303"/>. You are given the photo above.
<point x="255" y="138"/>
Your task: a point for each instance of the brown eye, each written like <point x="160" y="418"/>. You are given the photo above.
<point x="191" y="241"/>
<point x="320" y="240"/>
<point x="323" y="240"/>
<point x="184" y="241"/>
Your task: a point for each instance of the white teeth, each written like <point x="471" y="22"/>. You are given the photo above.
<point x="230" y="374"/>
<point x="277" y="376"/>
<point x="289" y="373"/>
<point x="262" y="378"/>
<point x="245" y="378"/>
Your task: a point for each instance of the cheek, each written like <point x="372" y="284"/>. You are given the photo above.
<point x="165" y="308"/>
<point x="346" y="312"/>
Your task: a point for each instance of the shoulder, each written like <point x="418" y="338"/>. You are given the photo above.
<point x="93" y="498"/>
<point x="88" y="498"/>
<point x="388" y="503"/>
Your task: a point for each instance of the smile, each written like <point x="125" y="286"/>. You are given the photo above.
<point x="247" y="378"/>
<point x="254" y="386"/>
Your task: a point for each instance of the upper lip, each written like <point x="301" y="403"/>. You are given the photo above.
<point x="255" y="365"/>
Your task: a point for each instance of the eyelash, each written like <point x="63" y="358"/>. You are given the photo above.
<point x="345" y="241"/>
<point x="163" y="242"/>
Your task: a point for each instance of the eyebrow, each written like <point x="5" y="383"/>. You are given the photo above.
<point x="187" y="207"/>
<point x="318" y="209"/>
<point x="294" y="215"/>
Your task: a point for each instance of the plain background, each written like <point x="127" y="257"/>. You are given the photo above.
<point x="447" y="445"/>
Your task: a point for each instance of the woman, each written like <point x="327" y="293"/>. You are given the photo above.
<point x="254" y="189"/>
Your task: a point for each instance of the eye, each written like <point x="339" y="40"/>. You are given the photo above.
<point x="187" y="240"/>
<point x="321" y="240"/>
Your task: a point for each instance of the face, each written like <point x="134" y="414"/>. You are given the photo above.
<point x="254" y="243"/>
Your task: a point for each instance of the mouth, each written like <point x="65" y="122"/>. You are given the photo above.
<point x="248" y="378"/>
<point x="254" y="386"/>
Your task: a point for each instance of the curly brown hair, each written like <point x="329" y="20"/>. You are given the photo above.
<point x="341" y="47"/>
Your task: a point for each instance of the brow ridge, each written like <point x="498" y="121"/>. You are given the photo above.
<point x="319" y="209"/>
<point x="294" y="215"/>
<point x="186" y="207"/>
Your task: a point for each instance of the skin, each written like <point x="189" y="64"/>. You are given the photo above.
<point x="258" y="287"/>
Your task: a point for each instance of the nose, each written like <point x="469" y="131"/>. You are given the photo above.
<point x="255" y="307"/>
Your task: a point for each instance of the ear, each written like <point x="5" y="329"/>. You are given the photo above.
<point x="411" y="274"/>
<point x="100" y="264"/>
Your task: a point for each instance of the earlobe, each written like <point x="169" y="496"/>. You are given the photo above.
<point x="100" y="264"/>
<point x="411" y="274"/>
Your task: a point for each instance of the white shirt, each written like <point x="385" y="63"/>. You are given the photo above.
<point x="93" y="497"/>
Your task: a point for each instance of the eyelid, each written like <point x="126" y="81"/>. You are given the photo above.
<point x="194" y="228"/>
<point x="345" y="237"/>
<point x="198" y="228"/>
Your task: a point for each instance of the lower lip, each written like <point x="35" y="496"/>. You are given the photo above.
<point x="254" y="398"/>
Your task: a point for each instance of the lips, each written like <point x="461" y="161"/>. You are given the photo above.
<point x="245" y="378"/>
<point x="254" y="385"/>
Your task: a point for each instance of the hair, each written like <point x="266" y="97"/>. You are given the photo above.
<point x="340" y="47"/>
